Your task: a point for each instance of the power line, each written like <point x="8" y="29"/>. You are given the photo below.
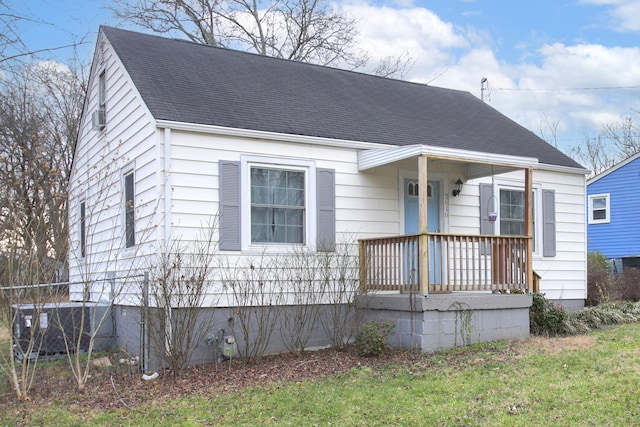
<point x="566" y="89"/>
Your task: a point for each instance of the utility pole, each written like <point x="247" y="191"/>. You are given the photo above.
<point x="484" y="84"/>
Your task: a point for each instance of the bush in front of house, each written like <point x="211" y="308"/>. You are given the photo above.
<point x="628" y="289"/>
<point x="372" y="338"/>
<point x="601" y="283"/>
<point x="545" y="317"/>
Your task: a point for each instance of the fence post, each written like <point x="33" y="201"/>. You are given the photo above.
<point x="144" y="333"/>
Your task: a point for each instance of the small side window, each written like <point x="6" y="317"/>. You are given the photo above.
<point x="412" y="189"/>
<point x="102" y="91"/>
<point x="83" y="230"/>
<point x="599" y="209"/>
<point x="129" y="210"/>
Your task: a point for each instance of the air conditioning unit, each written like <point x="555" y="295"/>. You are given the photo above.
<point x="41" y="330"/>
<point x="99" y="119"/>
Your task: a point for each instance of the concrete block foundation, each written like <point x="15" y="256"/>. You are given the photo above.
<point x="442" y="321"/>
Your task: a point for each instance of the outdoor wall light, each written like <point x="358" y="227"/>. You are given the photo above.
<point x="457" y="188"/>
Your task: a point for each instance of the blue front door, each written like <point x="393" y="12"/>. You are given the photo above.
<point x="411" y="223"/>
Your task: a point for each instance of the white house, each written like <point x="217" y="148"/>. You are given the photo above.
<point x="174" y="133"/>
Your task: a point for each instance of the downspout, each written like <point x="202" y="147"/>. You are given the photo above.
<point x="167" y="222"/>
<point x="167" y="189"/>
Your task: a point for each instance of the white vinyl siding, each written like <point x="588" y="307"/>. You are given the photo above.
<point x="96" y="178"/>
<point x="563" y="271"/>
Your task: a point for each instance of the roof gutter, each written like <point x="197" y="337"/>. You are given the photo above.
<point x="270" y="136"/>
<point x="374" y="154"/>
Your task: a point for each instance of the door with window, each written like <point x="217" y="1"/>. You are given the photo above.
<point x="411" y="226"/>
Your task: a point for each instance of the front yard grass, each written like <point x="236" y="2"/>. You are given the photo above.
<point x="589" y="379"/>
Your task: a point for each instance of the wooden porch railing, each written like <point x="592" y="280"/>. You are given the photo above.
<point x="456" y="263"/>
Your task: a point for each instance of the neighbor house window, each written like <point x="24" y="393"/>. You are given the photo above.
<point x="83" y="230"/>
<point x="277" y="205"/>
<point x="129" y="210"/>
<point x="512" y="214"/>
<point x="102" y="91"/>
<point x="599" y="211"/>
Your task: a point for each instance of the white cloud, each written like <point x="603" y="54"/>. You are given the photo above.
<point x="450" y="56"/>
<point x="415" y="28"/>
<point x="624" y="13"/>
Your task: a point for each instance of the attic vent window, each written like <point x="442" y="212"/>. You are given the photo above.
<point x="99" y="116"/>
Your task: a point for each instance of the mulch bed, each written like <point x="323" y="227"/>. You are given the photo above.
<point x="122" y="386"/>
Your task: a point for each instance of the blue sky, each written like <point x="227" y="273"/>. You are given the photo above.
<point x="574" y="64"/>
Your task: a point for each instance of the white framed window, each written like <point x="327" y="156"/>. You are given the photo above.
<point x="510" y="221"/>
<point x="280" y="196"/>
<point x="129" y="206"/>
<point x="278" y="199"/>
<point x="83" y="229"/>
<point x="599" y="209"/>
<point x="412" y="189"/>
<point x="102" y="91"/>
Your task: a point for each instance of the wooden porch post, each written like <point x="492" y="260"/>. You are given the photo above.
<point x="528" y="223"/>
<point x="423" y="261"/>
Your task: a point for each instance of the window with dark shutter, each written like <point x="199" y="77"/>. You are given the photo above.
<point x="129" y="210"/>
<point x="326" y="217"/>
<point x="83" y="230"/>
<point x="230" y="206"/>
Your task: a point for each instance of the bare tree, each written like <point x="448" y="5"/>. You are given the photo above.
<point x="40" y="109"/>
<point x="255" y="288"/>
<point x="21" y="310"/>
<point x="299" y="30"/>
<point x="595" y="154"/>
<point x="624" y="135"/>
<point x="9" y="35"/>
<point x="12" y="45"/>
<point x="614" y="143"/>
<point x="549" y="129"/>
<point x="340" y="287"/>
<point x="302" y="271"/>
<point x="395" y="66"/>
<point x="180" y="280"/>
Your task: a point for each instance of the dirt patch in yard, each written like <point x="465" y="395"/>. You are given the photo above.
<point x="556" y="345"/>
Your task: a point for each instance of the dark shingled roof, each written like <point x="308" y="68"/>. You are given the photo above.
<point x="193" y="83"/>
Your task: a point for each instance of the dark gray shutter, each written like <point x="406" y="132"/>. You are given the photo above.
<point x="549" y="223"/>
<point x="486" y="192"/>
<point x="486" y="227"/>
<point x="230" y="206"/>
<point x="326" y="209"/>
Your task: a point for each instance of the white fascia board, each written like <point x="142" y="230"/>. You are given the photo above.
<point x="373" y="158"/>
<point x="271" y="136"/>
<point x="566" y="169"/>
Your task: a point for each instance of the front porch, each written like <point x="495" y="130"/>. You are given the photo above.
<point x="421" y="258"/>
<point x="449" y="263"/>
